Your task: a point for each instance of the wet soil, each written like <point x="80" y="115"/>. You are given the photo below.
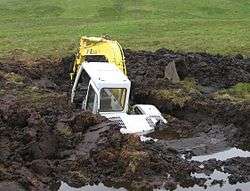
<point x="190" y="105"/>
<point x="44" y="140"/>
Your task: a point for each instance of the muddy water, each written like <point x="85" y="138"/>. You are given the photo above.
<point x="223" y="155"/>
<point x="208" y="187"/>
<point x="221" y="178"/>
<point x="226" y="187"/>
<point x="216" y="175"/>
<point x="99" y="187"/>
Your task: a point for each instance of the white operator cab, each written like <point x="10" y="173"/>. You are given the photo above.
<point x="107" y="92"/>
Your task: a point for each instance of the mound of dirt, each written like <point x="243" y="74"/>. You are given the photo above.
<point x="29" y="145"/>
<point x="187" y="100"/>
<point x="37" y="155"/>
<point x="208" y="70"/>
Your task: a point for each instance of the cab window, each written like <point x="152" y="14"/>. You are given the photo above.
<point x="112" y="99"/>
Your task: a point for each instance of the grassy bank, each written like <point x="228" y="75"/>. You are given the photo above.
<point x="51" y="27"/>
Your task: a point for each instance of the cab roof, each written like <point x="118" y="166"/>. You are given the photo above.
<point x="105" y="73"/>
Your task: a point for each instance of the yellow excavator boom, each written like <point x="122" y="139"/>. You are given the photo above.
<point x="99" y="47"/>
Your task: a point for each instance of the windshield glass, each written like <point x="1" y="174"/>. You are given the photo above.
<point x="112" y="99"/>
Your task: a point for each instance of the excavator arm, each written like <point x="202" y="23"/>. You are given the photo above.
<point x="96" y="48"/>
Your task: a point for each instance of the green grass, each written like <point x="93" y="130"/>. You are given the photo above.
<point x="239" y="92"/>
<point x="53" y="27"/>
<point x="178" y="96"/>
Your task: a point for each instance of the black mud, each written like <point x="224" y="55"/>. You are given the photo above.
<point x="44" y="141"/>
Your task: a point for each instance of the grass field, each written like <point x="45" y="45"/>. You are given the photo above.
<point x="47" y="27"/>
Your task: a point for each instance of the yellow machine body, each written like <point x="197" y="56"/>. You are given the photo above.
<point x="99" y="46"/>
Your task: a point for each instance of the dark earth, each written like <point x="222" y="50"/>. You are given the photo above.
<point x="44" y="140"/>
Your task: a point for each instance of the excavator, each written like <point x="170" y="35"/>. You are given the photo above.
<point x="101" y="85"/>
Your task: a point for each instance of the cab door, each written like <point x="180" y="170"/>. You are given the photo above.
<point x="90" y="103"/>
<point x="80" y="87"/>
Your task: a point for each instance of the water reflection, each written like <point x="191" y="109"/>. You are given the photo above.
<point x="223" y="155"/>
<point x="99" y="187"/>
<point x="216" y="175"/>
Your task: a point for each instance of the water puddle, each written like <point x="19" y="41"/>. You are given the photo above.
<point x="223" y="155"/>
<point x="164" y="135"/>
<point x="226" y="187"/>
<point x="216" y="175"/>
<point x="209" y="186"/>
<point x="99" y="187"/>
